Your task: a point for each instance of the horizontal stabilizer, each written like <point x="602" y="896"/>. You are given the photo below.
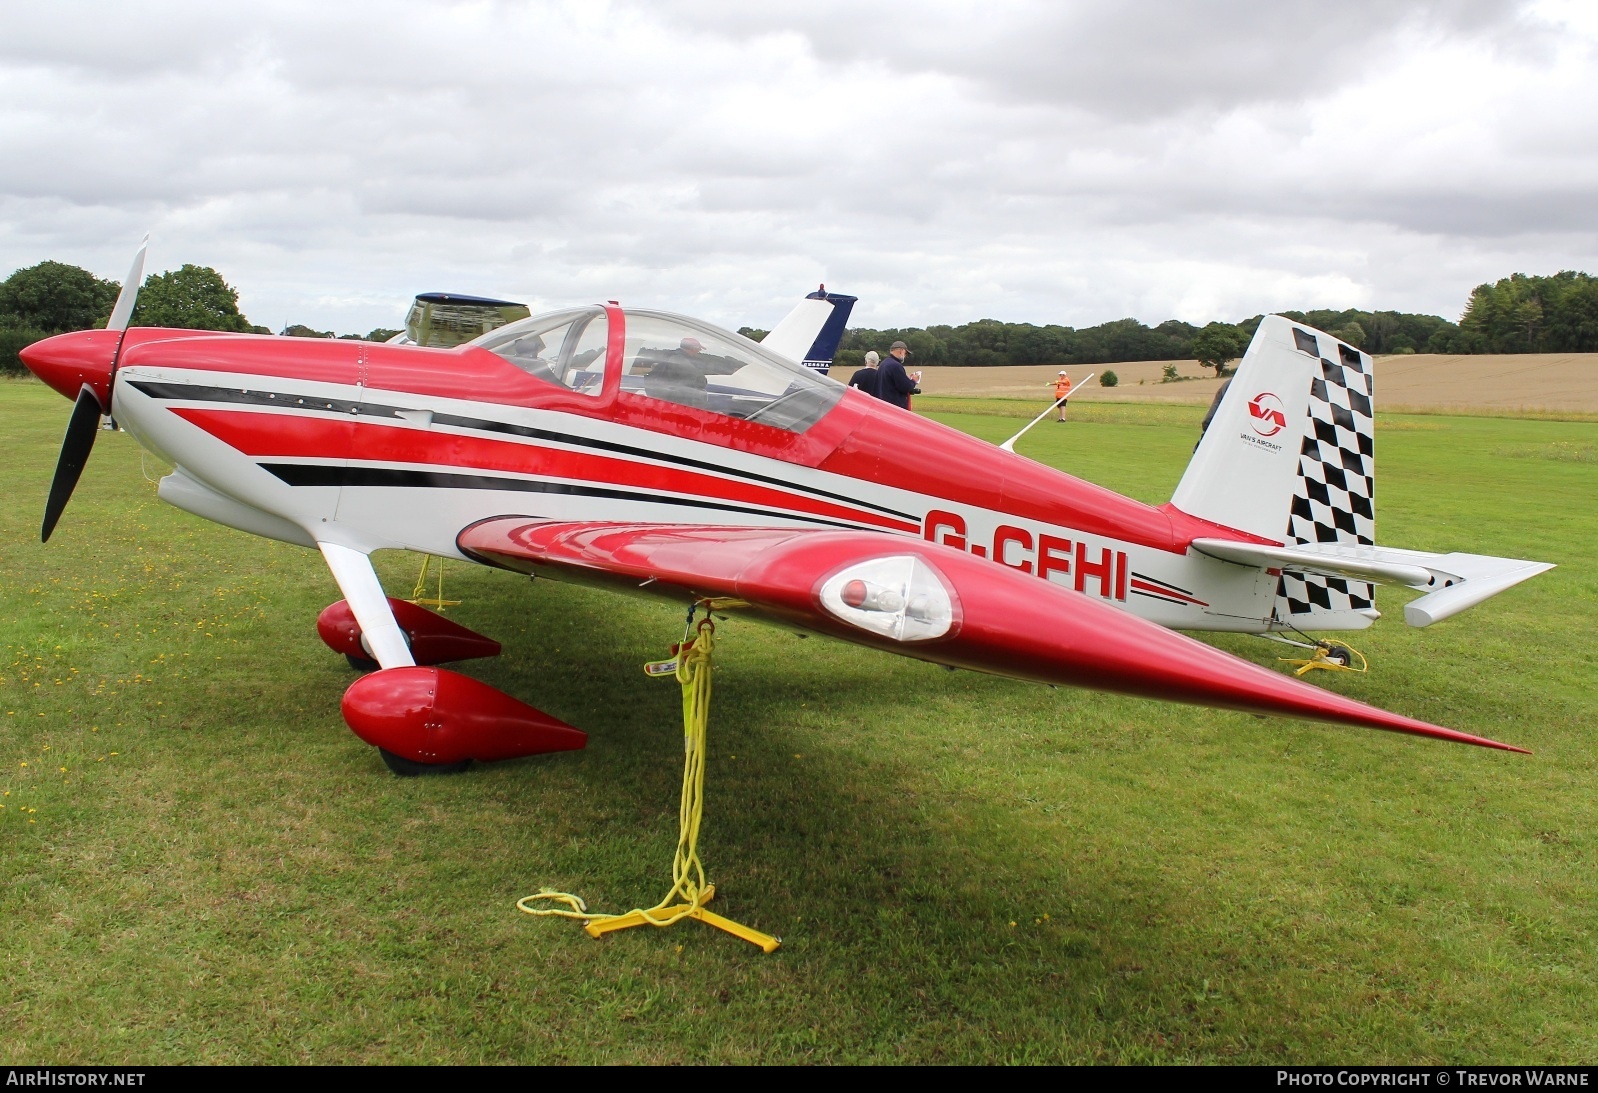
<point x="919" y="599"/>
<point x="1481" y="577"/>
<point x="1453" y="581"/>
<point x="1331" y="559"/>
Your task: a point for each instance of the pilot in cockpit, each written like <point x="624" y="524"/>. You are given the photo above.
<point x="527" y="353"/>
<point x="679" y="377"/>
<point x="529" y="347"/>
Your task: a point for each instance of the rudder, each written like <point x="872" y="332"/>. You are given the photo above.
<point x="825" y="347"/>
<point x="1290" y="456"/>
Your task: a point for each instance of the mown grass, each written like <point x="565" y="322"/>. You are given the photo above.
<point x="1099" y="413"/>
<point x="962" y="868"/>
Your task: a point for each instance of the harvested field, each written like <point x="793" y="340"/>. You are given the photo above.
<point x="1539" y="383"/>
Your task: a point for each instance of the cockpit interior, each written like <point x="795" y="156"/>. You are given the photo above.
<point x="668" y="358"/>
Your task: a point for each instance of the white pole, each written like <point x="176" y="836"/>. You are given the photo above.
<point x="1009" y="445"/>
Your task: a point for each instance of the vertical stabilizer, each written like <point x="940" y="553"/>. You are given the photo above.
<point x="825" y="347"/>
<point x="1290" y="455"/>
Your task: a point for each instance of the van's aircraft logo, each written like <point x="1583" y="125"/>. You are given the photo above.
<point x="1265" y="410"/>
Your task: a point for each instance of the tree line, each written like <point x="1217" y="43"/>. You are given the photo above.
<point x="1525" y="314"/>
<point x="989" y="342"/>
<point x="1518" y="314"/>
<point x="53" y="298"/>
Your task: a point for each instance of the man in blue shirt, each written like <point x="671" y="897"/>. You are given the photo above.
<point x="894" y="384"/>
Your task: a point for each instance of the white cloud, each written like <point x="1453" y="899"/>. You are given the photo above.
<point x="1047" y="162"/>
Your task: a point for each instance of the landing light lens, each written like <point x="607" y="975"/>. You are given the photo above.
<point x="900" y="597"/>
<point x="854" y="593"/>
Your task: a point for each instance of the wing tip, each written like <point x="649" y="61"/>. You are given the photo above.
<point x="1437" y="732"/>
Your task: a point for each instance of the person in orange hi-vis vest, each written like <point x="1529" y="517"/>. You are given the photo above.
<point x="1062" y="387"/>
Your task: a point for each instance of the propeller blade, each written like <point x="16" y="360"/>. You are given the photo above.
<point x="122" y="313"/>
<point x="75" y="448"/>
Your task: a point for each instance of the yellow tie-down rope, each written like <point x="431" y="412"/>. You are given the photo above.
<point x="1331" y="655"/>
<point x="692" y="667"/>
<point x="419" y="593"/>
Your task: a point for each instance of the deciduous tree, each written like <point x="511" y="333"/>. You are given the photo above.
<point x="1352" y="333"/>
<point x="55" y="297"/>
<point x="1216" y="345"/>
<point x="191" y="298"/>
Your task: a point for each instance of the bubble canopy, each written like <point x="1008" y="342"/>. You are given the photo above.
<point x="666" y="358"/>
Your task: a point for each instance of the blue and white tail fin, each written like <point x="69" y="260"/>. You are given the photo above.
<point x="813" y="330"/>
<point x="1290" y="456"/>
<point x="825" y="347"/>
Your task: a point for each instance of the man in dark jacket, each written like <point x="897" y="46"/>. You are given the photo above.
<point x="866" y="378"/>
<point x="677" y="376"/>
<point x="894" y="384"/>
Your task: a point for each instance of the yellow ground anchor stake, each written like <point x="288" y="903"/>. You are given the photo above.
<point x="1331" y="655"/>
<point x="419" y="593"/>
<point x="691" y="665"/>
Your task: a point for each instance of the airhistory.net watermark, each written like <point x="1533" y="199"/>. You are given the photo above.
<point x="41" y="1076"/>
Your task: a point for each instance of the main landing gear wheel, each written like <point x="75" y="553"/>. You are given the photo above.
<point x="361" y="664"/>
<point x="410" y="768"/>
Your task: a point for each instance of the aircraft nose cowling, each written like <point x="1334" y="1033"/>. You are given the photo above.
<point x="68" y="361"/>
<point x="435" y="716"/>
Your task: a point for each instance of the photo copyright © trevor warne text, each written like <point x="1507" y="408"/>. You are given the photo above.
<point x="1434" y="1077"/>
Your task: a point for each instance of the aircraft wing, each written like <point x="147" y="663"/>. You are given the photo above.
<point x="917" y="599"/>
<point x="1453" y="581"/>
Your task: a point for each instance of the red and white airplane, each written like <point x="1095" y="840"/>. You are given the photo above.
<point x="660" y="455"/>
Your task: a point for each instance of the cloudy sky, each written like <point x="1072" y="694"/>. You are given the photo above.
<point x="1039" y="161"/>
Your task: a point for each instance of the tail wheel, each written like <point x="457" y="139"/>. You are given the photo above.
<point x="1338" y="653"/>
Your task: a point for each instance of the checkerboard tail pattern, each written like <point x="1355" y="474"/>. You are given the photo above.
<point x="1334" y="497"/>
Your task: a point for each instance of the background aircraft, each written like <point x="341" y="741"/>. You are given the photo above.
<point x="447" y="319"/>
<point x="660" y="455"/>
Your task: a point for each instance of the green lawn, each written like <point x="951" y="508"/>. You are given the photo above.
<point x="200" y="863"/>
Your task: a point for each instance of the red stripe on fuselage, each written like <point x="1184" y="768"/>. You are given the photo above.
<point x="1159" y="590"/>
<point x="263" y="434"/>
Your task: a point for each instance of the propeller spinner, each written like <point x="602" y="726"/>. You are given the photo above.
<point x="82" y="366"/>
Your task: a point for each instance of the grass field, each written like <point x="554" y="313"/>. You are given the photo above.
<point x="200" y="863"/>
